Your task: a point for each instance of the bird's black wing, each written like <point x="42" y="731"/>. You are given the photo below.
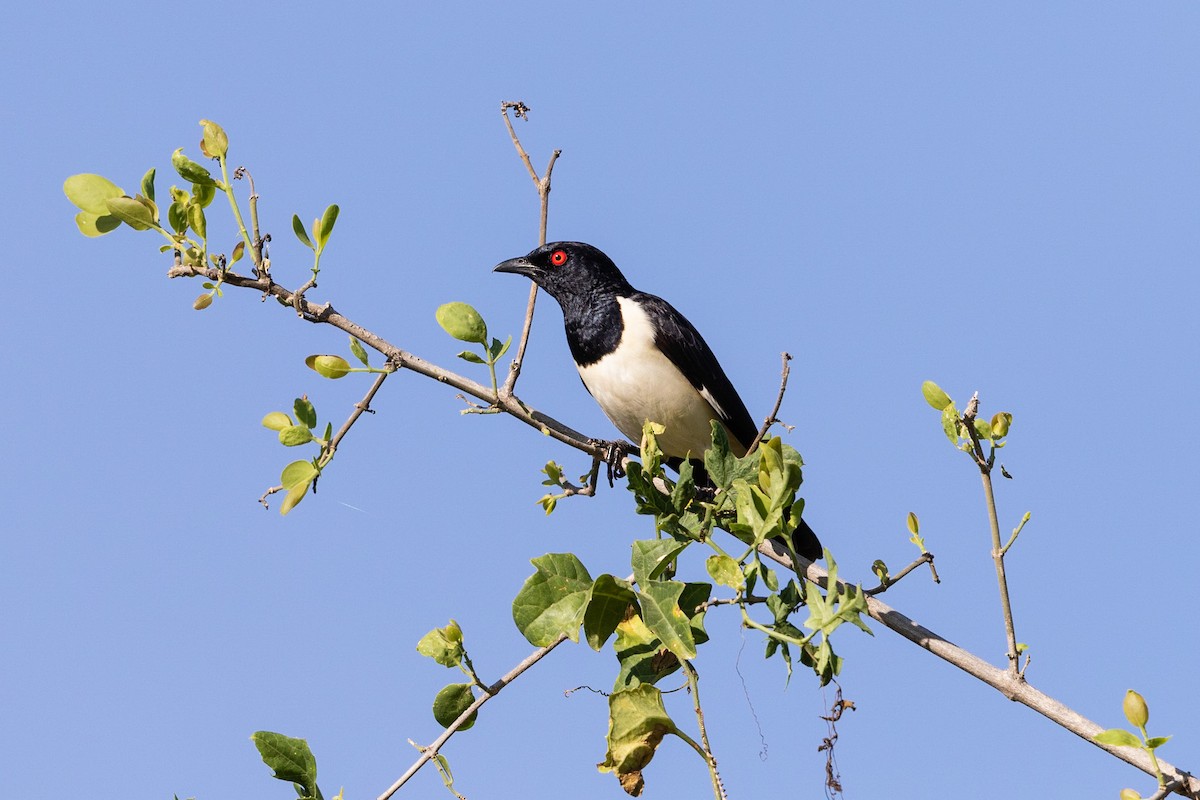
<point x="685" y="347"/>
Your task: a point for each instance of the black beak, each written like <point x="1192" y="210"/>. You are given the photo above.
<point x="520" y="266"/>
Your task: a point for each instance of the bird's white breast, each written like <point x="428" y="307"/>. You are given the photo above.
<point x="636" y="382"/>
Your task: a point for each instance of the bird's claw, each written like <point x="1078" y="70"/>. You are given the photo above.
<point x="614" y="454"/>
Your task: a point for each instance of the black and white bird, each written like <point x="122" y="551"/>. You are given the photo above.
<point x="641" y="359"/>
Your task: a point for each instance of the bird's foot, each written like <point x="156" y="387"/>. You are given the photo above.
<point x="614" y="453"/>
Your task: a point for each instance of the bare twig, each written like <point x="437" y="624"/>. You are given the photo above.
<point x="542" y="184"/>
<point x="772" y="418"/>
<point x="360" y="408"/>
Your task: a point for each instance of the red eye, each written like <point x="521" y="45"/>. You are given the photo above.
<point x="558" y="258"/>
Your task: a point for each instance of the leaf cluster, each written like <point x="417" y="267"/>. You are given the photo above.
<point x="655" y="621"/>
<point x="954" y="425"/>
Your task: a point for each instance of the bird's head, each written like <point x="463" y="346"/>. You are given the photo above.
<point x="569" y="270"/>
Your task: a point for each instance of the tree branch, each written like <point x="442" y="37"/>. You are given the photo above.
<point x="1013" y="687"/>
<point x="401" y="358"/>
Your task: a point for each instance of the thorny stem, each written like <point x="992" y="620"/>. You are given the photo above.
<point x="706" y="751"/>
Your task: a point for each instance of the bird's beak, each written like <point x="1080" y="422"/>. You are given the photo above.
<point x="520" y="266"/>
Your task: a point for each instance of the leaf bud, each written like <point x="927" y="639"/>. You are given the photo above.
<point x="1135" y="708"/>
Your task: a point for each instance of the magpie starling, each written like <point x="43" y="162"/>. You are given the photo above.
<point x="641" y="359"/>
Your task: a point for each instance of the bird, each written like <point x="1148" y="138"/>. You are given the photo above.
<point x="640" y="359"/>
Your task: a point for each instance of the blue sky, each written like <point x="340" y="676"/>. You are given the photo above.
<point x="1000" y="199"/>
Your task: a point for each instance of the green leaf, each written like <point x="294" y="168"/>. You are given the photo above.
<point x="203" y="194"/>
<point x="660" y="609"/>
<point x="306" y="414"/>
<point x="301" y="234"/>
<point x="215" y="143"/>
<point x="498" y="349"/>
<point x="443" y="645"/>
<point x="148" y="184"/>
<point x="290" y="759"/>
<point x="295" y="435"/>
<point x="359" y="351"/>
<point x="197" y="222"/>
<point x="96" y="225"/>
<point x="1117" y="737"/>
<point x="293" y="497"/>
<point x="325" y="227"/>
<point x="950" y="423"/>
<point x="131" y="212"/>
<point x="637" y="723"/>
<point x="177" y="217"/>
<point x="89" y="192"/>
<point x="725" y="571"/>
<point x="332" y="367"/>
<point x="1155" y="742"/>
<point x="189" y="170"/>
<point x="640" y="654"/>
<point x="450" y="704"/>
<point x="718" y="459"/>
<point x="914" y="524"/>
<point x="608" y="604"/>
<point x="297" y="473"/>
<point x="467" y="355"/>
<point x="1000" y="424"/>
<point x="652" y="556"/>
<point x="553" y="600"/>
<point x="935" y="396"/>
<point x="462" y="322"/>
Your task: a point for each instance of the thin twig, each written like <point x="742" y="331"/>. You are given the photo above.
<point x="329" y="450"/>
<point x="1016" y="532"/>
<point x="998" y="550"/>
<point x="432" y="750"/>
<point x="360" y="407"/>
<point x="542" y="184"/>
<point x="924" y="558"/>
<point x="772" y="418"/>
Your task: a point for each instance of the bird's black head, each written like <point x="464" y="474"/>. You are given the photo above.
<point x="569" y="271"/>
